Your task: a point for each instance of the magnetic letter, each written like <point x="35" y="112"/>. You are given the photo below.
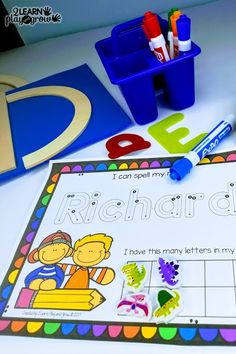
<point x="171" y="141"/>
<point x="116" y="150"/>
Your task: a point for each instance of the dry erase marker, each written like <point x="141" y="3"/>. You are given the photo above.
<point x="148" y="38"/>
<point x="184" y="33"/>
<point x="145" y="17"/>
<point x="152" y="26"/>
<point x="183" y="166"/>
<point x="170" y="33"/>
<point x="173" y="20"/>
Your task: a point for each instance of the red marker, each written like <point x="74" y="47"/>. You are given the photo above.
<point x="148" y="38"/>
<point x="153" y="30"/>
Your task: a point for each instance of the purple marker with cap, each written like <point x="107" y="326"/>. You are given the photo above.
<point x="184" y="29"/>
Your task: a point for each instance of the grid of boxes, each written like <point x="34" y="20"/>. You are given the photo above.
<point x="208" y="287"/>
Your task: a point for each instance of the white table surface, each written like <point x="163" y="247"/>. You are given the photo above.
<point x="213" y="29"/>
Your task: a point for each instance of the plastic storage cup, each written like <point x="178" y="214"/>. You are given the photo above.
<point x="130" y="64"/>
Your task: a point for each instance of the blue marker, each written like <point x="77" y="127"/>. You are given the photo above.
<point x="182" y="167"/>
<point x="184" y="37"/>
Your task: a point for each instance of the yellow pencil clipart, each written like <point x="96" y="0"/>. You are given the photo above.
<point x="60" y="299"/>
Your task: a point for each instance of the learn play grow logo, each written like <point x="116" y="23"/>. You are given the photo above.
<point x="30" y="16"/>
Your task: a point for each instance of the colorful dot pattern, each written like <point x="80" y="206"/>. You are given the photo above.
<point x="140" y="332"/>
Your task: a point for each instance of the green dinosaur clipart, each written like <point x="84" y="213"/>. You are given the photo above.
<point x="134" y="275"/>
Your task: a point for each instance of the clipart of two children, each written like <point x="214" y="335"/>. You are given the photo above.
<point x="87" y="253"/>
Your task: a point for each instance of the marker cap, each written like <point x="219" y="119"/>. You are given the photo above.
<point x="174" y="9"/>
<point x="183" y="27"/>
<point x="173" y="20"/>
<point x="180" y="169"/>
<point x="145" y="31"/>
<point x="152" y="25"/>
<point x="170" y="13"/>
<point x="231" y="119"/>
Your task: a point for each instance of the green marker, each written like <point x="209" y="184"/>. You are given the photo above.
<point x="170" y="13"/>
<point x="170" y="33"/>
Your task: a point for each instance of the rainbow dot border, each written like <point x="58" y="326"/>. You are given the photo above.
<point x="137" y="332"/>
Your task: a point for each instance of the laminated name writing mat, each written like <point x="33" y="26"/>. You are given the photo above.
<point x="90" y="259"/>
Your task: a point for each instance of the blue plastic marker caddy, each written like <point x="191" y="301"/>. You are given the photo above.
<point x="184" y="34"/>
<point x="129" y="63"/>
<point x="183" y="166"/>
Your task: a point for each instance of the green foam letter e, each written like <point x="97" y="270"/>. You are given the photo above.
<point x="170" y="141"/>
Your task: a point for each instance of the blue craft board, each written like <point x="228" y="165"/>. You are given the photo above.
<point x="36" y="121"/>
